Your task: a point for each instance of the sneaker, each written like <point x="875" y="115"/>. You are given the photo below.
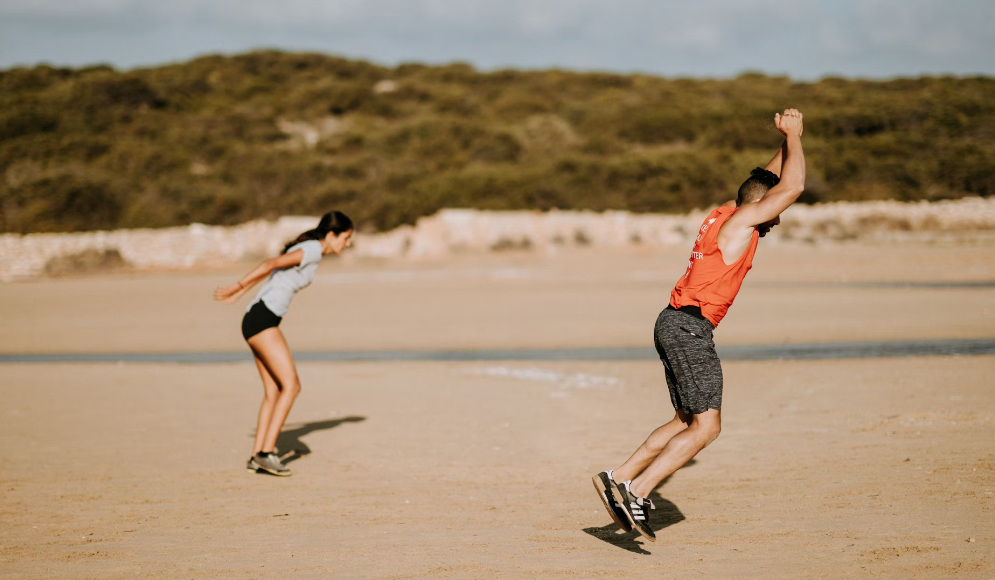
<point x="252" y="468"/>
<point x="635" y="509"/>
<point x="603" y="483"/>
<point x="269" y="463"/>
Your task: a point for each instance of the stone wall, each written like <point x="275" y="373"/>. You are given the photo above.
<point x="462" y="230"/>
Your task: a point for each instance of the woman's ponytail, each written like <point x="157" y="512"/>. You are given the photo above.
<point x="333" y="221"/>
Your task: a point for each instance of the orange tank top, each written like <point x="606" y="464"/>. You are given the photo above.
<point x="708" y="282"/>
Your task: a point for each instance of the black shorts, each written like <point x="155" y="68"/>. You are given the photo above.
<point x="694" y="374"/>
<point x="258" y="319"/>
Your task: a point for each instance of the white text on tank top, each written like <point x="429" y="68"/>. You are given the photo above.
<point x="695" y="254"/>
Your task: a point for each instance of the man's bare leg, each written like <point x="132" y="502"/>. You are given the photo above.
<point x="681" y="447"/>
<point x="652" y="447"/>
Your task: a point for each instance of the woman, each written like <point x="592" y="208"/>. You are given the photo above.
<point x="288" y="273"/>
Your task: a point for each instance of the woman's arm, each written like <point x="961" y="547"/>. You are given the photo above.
<point x="232" y="292"/>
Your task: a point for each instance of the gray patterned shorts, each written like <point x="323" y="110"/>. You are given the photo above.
<point x="694" y="374"/>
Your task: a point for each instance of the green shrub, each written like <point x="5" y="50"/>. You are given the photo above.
<point x="201" y="141"/>
<point x="63" y="203"/>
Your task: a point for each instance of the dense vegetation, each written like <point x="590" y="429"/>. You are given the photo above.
<point x="222" y="140"/>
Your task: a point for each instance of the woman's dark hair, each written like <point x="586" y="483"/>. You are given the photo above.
<point x="333" y="221"/>
<point x="759" y="183"/>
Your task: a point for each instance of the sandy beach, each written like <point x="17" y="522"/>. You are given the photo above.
<point x="795" y="293"/>
<point x="825" y="469"/>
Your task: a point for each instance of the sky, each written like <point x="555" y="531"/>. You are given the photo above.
<point x="804" y="39"/>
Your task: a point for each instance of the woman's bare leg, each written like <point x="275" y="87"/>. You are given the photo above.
<point x="271" y="391"/>
<point x="271" y="348"/>
<point x="652" y="447"/>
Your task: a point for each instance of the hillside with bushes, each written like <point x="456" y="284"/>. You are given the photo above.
<point x="223" y="140"/>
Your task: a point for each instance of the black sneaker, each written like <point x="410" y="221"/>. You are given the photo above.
<point x="603" y="483"/>
<point x="636" y="509"/>
<point x="269" y="463"/>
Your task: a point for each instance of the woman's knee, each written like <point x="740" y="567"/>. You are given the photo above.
<point x="291" y="388"/>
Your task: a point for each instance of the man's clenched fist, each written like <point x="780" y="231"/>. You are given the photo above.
<point x="789" y="122"/>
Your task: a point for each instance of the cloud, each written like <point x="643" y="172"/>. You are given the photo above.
<point x="806" y="38"/>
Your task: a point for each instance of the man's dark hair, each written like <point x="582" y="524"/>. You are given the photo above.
<point x="756" y="186"/>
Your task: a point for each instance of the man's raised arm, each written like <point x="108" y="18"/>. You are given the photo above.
<point x="774" y="166"/>
<point x="791" y="161"/>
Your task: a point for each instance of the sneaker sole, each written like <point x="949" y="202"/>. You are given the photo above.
<point x="649" y="535"/>
<point x="271" y="471"/>
<point x="603" y="492"/>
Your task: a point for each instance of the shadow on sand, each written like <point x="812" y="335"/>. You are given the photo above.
<point x="665" y="515"/>
<point x="289" y="441"/>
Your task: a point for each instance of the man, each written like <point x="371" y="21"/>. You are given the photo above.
<point x="722" y="255"/>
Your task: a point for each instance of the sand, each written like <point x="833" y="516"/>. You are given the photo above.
<point x="579" y="299"/>
<point x="824" y="469"/>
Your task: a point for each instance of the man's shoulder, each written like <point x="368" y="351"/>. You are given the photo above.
<point x="717" y="214"/>
<point x="728" y="221"/>
<point x="720" y="215"/>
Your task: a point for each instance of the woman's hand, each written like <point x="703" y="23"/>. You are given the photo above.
<point x="230" y="293"/>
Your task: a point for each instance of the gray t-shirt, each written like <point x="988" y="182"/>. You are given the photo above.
<point x="279" y="290"/>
